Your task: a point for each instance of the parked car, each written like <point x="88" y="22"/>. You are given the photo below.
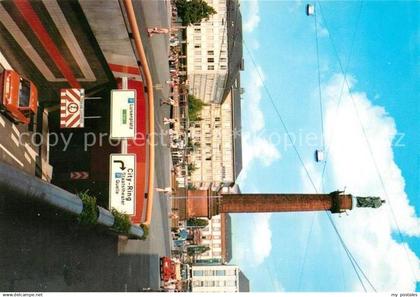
<point x="168" y="269"/>
<point x="18" y="97"/>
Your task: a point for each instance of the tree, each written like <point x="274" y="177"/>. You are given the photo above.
<point x="197" y="222"/>
<point x="195" y="106"/>
<point x="191" y="168"/>
<point x="193" y="11"/>
<point x="196" y="250"/>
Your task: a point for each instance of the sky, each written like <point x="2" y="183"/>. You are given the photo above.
<point x="369" y="129"/>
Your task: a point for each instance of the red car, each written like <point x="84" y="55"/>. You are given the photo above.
<point x="18" y="97"/>
<point x="167" y="269"/>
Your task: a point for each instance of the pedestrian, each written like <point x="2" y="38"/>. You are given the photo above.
<point x="167" y="190"/>
<point x="156" y="30"/>
<point x="167" y="121"/>
<point x="168" y="101"/>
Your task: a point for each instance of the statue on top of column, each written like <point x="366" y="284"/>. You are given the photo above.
<point x="373" y="202"/>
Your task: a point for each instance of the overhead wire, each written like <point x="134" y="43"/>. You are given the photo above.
<point x="305" y="252"/>
<point x="279" y="115"/>
<point x="291" y="141"/>
<point x="349" y="254"/>
<point x="378" y="172"/>
<point x="326" y="152"/>
<point x="321" y="109"/>
<point x="344" y="73"/>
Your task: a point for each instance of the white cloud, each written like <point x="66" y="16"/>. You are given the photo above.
<point x="368" y="232"/>
<point x="253" y="246"/>
<point x="278" y="287"/>
<point x="253" y="19"/>
<point x="322" y="31"/>
<point x="261" y="238"/>
<point x="255" y="147"/>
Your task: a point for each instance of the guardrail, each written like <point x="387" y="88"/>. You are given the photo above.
<point x="150" y="95"/>
<point x="15" y="183"/>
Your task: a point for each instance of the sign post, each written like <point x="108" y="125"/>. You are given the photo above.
<point x="123" y="114"/>
<point x="122" y="183"/>
<point x="72" y="108"/>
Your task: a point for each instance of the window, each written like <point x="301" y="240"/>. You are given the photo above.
<point x="230" y="272"/>
<point x="24" y="92"/>
<point x="210" y="53"/>
<point x="220" y="272"/>
<point x="208" y="273"/>
<point x="223" y="67"/>
<point x="210" y="67"/>
<point x="222" y="59"/>
<point x="210" y="60"/>
<point x="217" y="119"/>
<point x="230" y="283"/>
<point x="222" y="283"/>
<point x="197" y="30"/>
<point x="198" y="273"/>
<point x="197" y="46"/>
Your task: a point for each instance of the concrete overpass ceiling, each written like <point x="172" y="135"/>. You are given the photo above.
<point x="51" y="43"/>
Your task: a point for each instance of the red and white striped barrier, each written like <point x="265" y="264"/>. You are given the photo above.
<point x="72" y="108"/>
<point x="79" y="175"/>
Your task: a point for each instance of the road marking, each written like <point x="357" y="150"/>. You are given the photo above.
<point x="15" y="129"/>
<point x="31" y="151"/>
<point x="2" y="122"/>
<point x="4" y="63"/>
<point x="15" y="140"/>
<point x="11" y="155"/>
<point x="27" y="158"/>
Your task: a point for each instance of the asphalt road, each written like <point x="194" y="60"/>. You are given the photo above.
<point x="42" y="249"/>
<point x="16" y="147"/>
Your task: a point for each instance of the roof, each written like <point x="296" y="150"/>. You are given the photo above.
<point x="237" y="128"/>
<point x="234" y="39"/>
<point x="226" y="237"/>
<point x="243" y="282"/>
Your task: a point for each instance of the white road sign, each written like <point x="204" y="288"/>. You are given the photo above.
<point x="72" y="109"/>
<point x="122" y="182"/>
<point x="123" y="114"/>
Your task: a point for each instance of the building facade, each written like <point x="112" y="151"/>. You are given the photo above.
<point x="207" y="57"/>
<point x="217" y="278"/>
<point x="217" y="236"/>
<point x="217" y="154"/>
